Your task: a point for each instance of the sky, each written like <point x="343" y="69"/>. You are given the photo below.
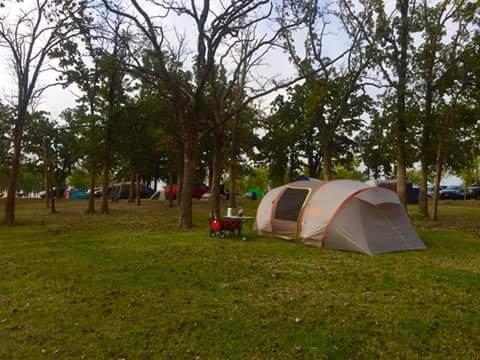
<point x="276" y="63"/>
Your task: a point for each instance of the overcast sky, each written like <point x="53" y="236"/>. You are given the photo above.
<point x="55" y="100"/>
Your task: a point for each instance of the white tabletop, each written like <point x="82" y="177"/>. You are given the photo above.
<point x="240" y="217"/>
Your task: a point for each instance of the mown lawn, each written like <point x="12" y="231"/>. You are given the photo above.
<point x="131" y="286"/>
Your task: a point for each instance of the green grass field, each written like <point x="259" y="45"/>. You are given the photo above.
<point x="130" y="285"/>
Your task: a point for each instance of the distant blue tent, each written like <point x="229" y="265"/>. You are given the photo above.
<point x="76" y="194"/>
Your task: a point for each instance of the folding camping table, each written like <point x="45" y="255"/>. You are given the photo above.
<point x="242" y="219"/>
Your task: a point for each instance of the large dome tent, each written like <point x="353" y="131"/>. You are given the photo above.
<point x="341" y="214"/>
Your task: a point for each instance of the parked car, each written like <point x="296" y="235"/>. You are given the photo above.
<point x="474" y="192"/>
<point x="453" y="192"/>
<point x="98" y="192"/>
<point x="430" y="190"/>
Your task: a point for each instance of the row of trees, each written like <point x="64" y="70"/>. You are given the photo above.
<point x="177" y="107"/>
<point x="423" y="59"/>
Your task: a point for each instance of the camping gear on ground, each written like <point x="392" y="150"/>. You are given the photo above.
<point x="221" y="226"/>
<point x="232" y="223"/>
<point x="342" y="214"/>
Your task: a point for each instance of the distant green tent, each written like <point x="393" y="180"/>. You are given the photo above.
<point x="255" y="193"/>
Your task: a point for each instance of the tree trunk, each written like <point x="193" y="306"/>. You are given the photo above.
<point x="210" y="171"/>
<point x="401" y="128"/>
<point x="170" y="187"/>
<point x="327" y="163"/>
<point x="179" y="169"/>
<point x="9" y="218"/>
<point x="105" y="184"/>
<point x="47" y="189"/>
<point x="138" y="189"/>
<point x="291" y="167"/>
<point x="131" y="191"/>
<point x="179" y="188"/>
<point x="217" y="171"/>
<point x="311" y="167"/>
<point x="53" y="209"/>
<point x="233" y="177"/>
<point x="426" y="137"/>
<point x="438" y="178"/>
<point x="402" y="180"/>
<point x="423" y="194"/>
<point x="45" y="173"/>
<point x="12" y="187"/>
<point x="190" y="162"/>
<point x="91" y="198"/>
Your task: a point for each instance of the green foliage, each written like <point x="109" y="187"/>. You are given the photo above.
<point x="31" y="179"/>
<point x="52" y="146"/>
<point x="79" y="179"/>
<point x="258" y="177"/>
<point x="312" y="117"/>
<point x="376" y="149"/>
<point x="350" y="171"/>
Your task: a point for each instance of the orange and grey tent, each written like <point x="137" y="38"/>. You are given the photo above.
<point x="341" y="214"/>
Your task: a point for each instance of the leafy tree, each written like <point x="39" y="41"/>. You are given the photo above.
<point x="390" y="36"/>
<point x="112" y="92"/>
<point x="29" y="39"/>
<point x="79" y="178"/>
<point x="53" y="149"/>
<point x="39" y="140"/>
<point x="308" y="125"/>
<point x="335" y="97"/>
<point x="432" y="67"/>
<point x="280" y="145"/>
<point x="80" y="61"/>
<point x="213" y="31"/>
<point x="375" y="147"/>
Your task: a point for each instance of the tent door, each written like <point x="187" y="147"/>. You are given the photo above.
<point x="287" y="211"/>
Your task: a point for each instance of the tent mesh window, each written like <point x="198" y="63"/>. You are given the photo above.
<point x="290" y="204"/>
